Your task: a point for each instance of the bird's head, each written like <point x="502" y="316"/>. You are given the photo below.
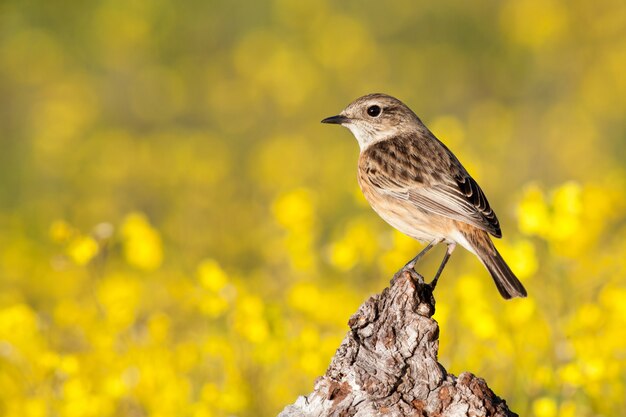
<point x="376" y="117"/>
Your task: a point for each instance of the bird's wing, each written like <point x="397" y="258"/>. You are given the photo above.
<point x="463" y="201"/>
<point x="450" y="192"/>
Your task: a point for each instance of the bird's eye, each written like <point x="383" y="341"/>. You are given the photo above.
<point x="373" y="111"/>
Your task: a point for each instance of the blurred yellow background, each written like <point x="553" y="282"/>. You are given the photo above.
<point x="180" y="236"/>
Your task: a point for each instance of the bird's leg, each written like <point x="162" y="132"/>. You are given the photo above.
<point x="411" y="264"/>
<point x="449" y="251"/>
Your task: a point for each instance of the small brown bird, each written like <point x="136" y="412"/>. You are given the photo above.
<point x="418" y="186"/>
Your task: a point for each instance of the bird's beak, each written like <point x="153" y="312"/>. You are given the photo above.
<point x="336" y="120"/>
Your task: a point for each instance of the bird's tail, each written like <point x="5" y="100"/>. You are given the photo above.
<point x="506" y="281"/>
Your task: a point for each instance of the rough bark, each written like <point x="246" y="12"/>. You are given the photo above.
<point x="387" y="365"/>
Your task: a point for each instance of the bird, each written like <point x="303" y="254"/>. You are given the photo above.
<point x="418" y="186"/>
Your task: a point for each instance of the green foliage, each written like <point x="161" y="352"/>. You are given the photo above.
<point x="180" y="236"/>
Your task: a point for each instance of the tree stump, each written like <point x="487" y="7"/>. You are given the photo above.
<point x="387" y="365"/>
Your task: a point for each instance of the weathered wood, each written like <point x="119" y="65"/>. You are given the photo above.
<point x="387" y="365"/>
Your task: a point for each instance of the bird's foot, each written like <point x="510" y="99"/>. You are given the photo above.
<point x="410" y="266"/>
<point x="412" y="273"/>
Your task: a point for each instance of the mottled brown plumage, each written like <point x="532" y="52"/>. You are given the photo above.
<point x="417" y="185"/>
<point x="400" y="165"/>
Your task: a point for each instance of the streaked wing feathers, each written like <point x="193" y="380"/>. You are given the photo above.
<point x="472" y="191"/>
<point x="409" y="176"/>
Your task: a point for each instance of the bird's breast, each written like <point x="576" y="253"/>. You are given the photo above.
<point x="401" y="213"/>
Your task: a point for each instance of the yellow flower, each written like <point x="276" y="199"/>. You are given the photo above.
<point x="114" y="386"/>
<point x="544" y="407"/>
<point x="211" y="275"/>
<point x="69" y="365"/>
<point x="571" y="374"/>
<point x="142" y="243"/>
<point x="312" y="363"/>
<point x="119" y="295"/>
<point x="304" y="296"/>
<point x="159" y="327"/>
<point x="567" y="202"/>
<point x="521" y="257"/>
<point x="343" y="255"/>
<point x="213" y="305"/>
<point x="17" y="322"/>
<point x="250" y="320"/>
<point x="233" y="399"/>
<point x="35" y="407"/>
<point x="520" y="312"/>
<point x="82" y="249"/>
<point x="60" y="231"/>
<point x="294" y="210"/>
<point x="357" y="243"/>
<point x="567" y="409"/>
<point x="484" y="325"/>
<point x="533" y="214"/>
<point x="310" y="337"/>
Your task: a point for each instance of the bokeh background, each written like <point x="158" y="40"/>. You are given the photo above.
<point x="180" y="236"/>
